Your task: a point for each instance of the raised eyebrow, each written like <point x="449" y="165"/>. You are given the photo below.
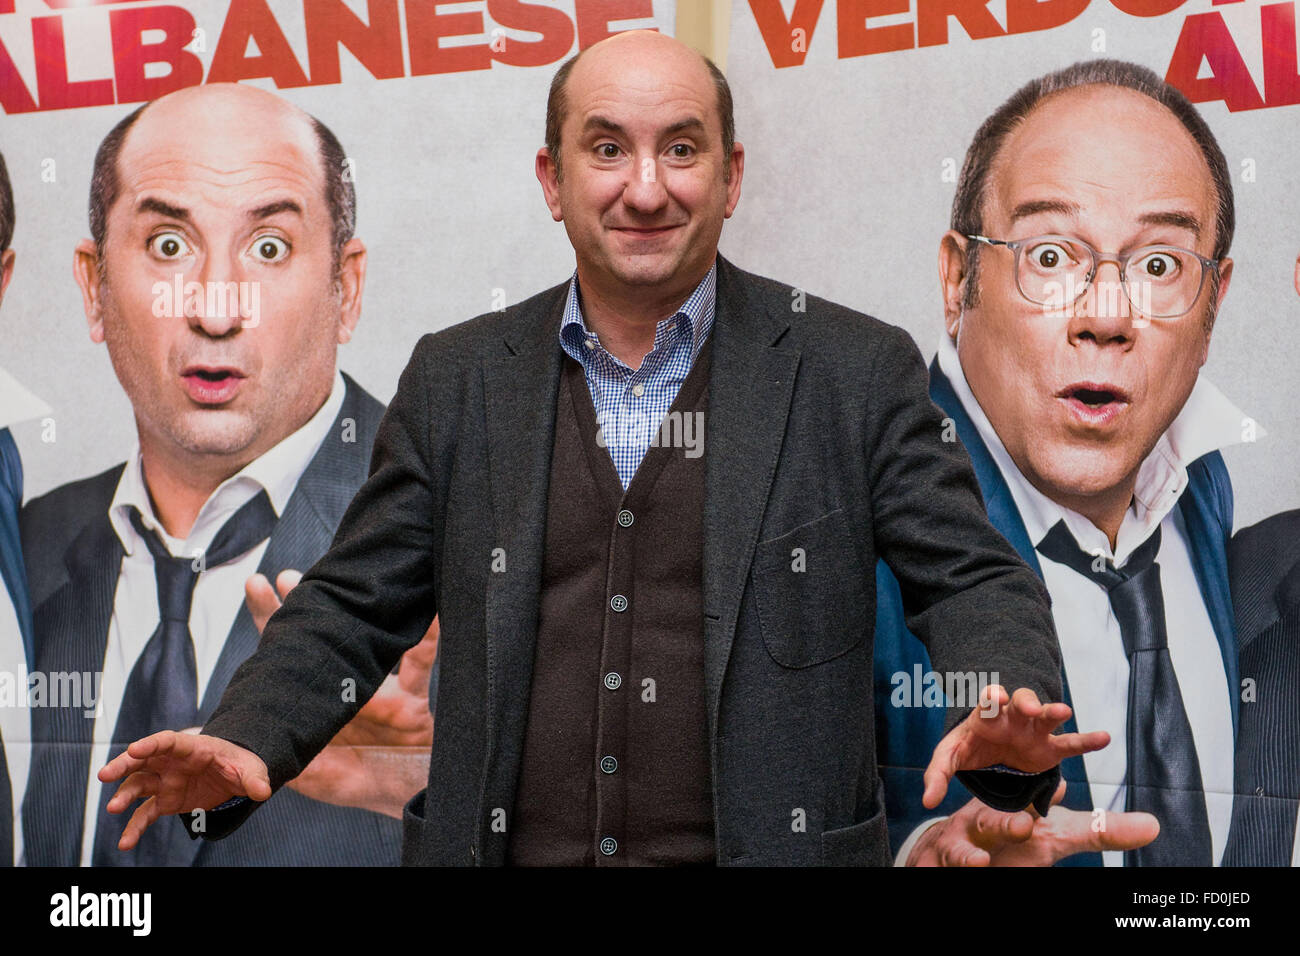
<point x="155" y="205"/>
<point x="601" y="123"/>
<point x="1035" y="206"/>
<point x="274" y="208"/>
<point x="1175" y="218"/>
<point x="693" y="124"/>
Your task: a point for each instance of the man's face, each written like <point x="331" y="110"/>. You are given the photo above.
<point x="1080" y="399"/>
<point x="645" y="183"/>
<point x="204" y="201"/>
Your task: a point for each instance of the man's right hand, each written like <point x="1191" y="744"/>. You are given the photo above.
<point x="978" y="835"/>
<point x="381" y="757"/>
<point x="179" y="772"/>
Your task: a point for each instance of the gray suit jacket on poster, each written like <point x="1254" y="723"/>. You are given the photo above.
<point x="1264" y="567"/>
<point x="73" y="557"/>
<point x="819" y="435"/>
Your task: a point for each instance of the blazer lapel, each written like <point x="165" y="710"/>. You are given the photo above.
<point x="1005" y="516"/>
<point x="1207" y="512"/>
<point x="749" y="399"/>
<point x="298" y="538"/>
<point x="302" y="534"/>
<point x="12" y="575"/>
<point x="750" y="387"/>
<point x="1001" y="506"/>
<point x="73" y="623"/>
<point x="520" y="386"/>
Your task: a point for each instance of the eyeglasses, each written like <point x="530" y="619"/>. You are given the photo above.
<point x="1056" y="272"/>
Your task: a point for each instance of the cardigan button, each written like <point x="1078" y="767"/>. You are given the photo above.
<point x="618" y="603"/>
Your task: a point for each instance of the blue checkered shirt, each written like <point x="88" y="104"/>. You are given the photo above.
<point x="631" y="404"/>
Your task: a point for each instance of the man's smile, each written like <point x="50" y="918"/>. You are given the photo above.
<point x="645" y="232"/>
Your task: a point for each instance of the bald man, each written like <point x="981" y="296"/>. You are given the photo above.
<point x="222" y="275"/>
<point x="646" y="505"/>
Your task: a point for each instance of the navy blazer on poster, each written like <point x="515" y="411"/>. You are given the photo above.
<point x="74" y="556"/>
<point x="14" y="578"/>
<point x="11" y="551"/>
<point x="906" y="736"/>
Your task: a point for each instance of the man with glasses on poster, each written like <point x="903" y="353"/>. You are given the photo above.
<point x="1081" y="276"/>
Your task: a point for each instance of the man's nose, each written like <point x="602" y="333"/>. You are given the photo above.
<point x="1103" y="313"/>
<point x="644" y="191"/>
<point x="215" y="310"/>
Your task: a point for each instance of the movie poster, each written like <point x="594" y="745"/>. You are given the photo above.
<point x="856" y="118"/>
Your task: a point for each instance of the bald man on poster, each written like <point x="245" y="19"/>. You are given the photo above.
<point x="250" y="444"/>
<point x="645" y="504"/>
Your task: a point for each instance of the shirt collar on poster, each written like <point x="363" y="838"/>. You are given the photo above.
<point x="277" y="471"/>
<point x="17" y="404"/>
<point x="1208" y="422"/>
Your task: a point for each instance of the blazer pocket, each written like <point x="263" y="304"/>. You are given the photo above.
<point x="413" y="829"/>
<point x="810" y="592"/>
<point x="863" y="844"/>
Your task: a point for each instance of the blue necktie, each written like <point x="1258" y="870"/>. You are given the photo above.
<point x="1164" y="775"/>
<point x="162" y="691"/>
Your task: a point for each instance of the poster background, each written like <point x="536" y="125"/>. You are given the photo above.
<point x="844" y="196"/>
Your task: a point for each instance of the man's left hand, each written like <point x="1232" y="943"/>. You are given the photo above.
<point x="1014" y="731"/>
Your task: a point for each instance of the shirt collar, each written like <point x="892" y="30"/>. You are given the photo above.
<point x="17" y="404"/>
<point x="1207" y="422"/>
<point x="693" y="319"/>
<point x="276" y="472"/>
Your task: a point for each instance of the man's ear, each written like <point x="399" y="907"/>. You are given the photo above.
<point x="1297" y="275"/>
<point x="952" y="278"/>
<point x="352" y="279"/>
<point x="736" y="170"/>
<point x="1225" y="279"/>
<point x="85" y="268"/>
<point x="548" y="176"/>
<point x="6" y="271"/>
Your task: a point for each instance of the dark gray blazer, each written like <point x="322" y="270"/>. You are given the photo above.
<point x="1264" y="568"/>
<point x="819" y="435"/>
<point x="73" y="557"/>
